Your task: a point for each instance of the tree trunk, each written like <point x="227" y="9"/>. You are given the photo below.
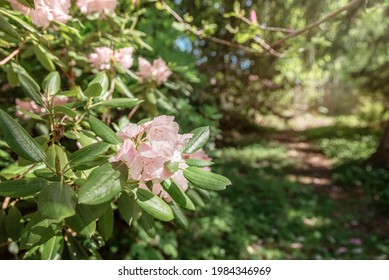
<point x="381" y="156"/>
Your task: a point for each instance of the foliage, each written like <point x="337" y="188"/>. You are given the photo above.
<point x="74" y="163"/>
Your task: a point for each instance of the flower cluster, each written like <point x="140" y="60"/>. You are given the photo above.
<point x="32" y="107"/>
<point x="45" y="11"/>
<point x="97" y="6"/>
<point x="158" y="71"/>
<point x="149" y="149"/>
<point x="103" y="57"/>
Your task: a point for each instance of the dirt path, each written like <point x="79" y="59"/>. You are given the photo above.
<point x="313" y="168"/>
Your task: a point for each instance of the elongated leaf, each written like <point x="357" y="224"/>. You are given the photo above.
<point x="120" y="102"/>
<point x="206" y="180"/>
<point x="13" y="223"/>
<point x="43" y="58"/>
<point x="102" y="79"/>
<point x="198" y="162"/>
<point x="3" y="233"/>
<point x="126" y="209"/>
<point x="29" y="86"/>
<point x="178" y="195"/>
<point x="23" y="187"/>
<point x="19" y="140"/>
<point x="121" y="87"/>
<point x="28" y="3"/>
<point x="66" y="111"/>
<point x="19" y="21"/>
<point x="93" y="90"/>
<point x="12" y="77"/>
<point x="153" y="205"/>
<point x="103" y="131"/>
<point x="86" y="215"/>
<point x="61" y="161"/>
<point x="195" y="197"/>
<point x="75" y="249"/>
<point x="7" y="28"/>
<point x="89" y="156"/>
<point x="38" y="231"/>
<point x="52" y="249"/>
<point x="198" y="140"/>
<point x="179" y="216"/>
<point x="52" y="83"/>
<point x="57" y="202"/>
<point x="105" y="224"/>
<point x="148" y="224"/>
<point x="101" y="186"/>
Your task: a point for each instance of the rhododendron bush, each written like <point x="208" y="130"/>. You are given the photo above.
<point x="89" y="143"/>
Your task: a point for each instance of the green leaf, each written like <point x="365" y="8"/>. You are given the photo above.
<point x="89" y="156"/>
<point x="105" y="224"/>
<point x="102" y="79"/>
<point x="3" y="233"/>
<point x="120" y="102"/>
<point x="22" y="187"/>
<point x="75" y="249"/>
<point x="101" y="186"/>
<point x="153" y="205"/>
<point x="147" y="223"/>
<point x="179" y="216"/>
<point x="198" y="140"/>
<point x="13" y="223"/>
<point x="12" y="77"/>
<point x="61" y="161"/>
<point x="38" y="231"/>
<point x="7" y="28"/>
<point x="205" y="180"/>
<point x="121" y="87"/>
<point x="31" y="115"/>
<point x="52" y="83"/>
<point x="66" y="111"/>
<point x="57" y="202"/>
<point x="27" y="3"/>
<point x="84" y="221"/>
<point x="52" y="249"/>
<point x="103" y="131"/>
<point x="29" y="86"/>
<point x="126" y="207"/>
<point x="21" y="22"/>
<point x="198" y="162"/>
<point x="195" y="197"/>
<point x="178" y="195"/>
<point x="43" y="58"/>
<point x="93" y="90"/>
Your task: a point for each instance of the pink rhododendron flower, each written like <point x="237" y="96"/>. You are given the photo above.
<point x="253" y="16"/>
<point x="147" y="148"/>
<point x="102" y="58"/>
<point x="158" y="72"/>
<point x="32" y="107"/>
<point x="124" y="57"/>
<point x="97" y="6"/>
<point x="45" y="11"/>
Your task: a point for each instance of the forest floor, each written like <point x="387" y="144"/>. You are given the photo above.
<point x="295" y="194"/>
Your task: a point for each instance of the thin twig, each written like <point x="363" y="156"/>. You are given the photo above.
<point x="261" y="26"/>
<point x="201" y="34"/>
<point x="12" y="54"/>
<point x="316" y="23"/>
<point x="5" y="203"/>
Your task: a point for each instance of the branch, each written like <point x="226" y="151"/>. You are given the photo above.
<point x="201" y="34"/>
<point x="261" y="26"/>
<point x="12" y="54"/>
<point x="317" y="23"/>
